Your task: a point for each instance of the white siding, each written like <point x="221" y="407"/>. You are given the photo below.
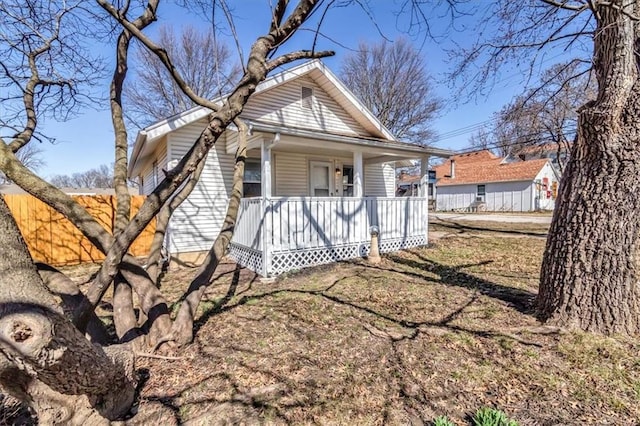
<point x="379" y="180"/>
<point x="455" y="197"/>
<point x="499" y="196"/>
<point x="545" y="199"/>
<point x="509" y="196"/>
<point x="153" y="174"/>
<point x="196" y="223"/>
<point x="291" y="171"/>
<point x="282" y="105"/>
<point x="292" y="175"/>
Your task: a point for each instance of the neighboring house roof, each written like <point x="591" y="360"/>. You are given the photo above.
<point x="406" y="179"/>
<point x="325" y="79"/>
<point x="485" y="167"/>
<point x="539" y="150"/>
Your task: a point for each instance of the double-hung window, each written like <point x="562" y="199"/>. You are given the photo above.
<point x="252" y="185"/>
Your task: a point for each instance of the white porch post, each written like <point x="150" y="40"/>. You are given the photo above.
<point x="424" y="192"/>
<point x="424" y="176"/>
<point x="267" y="229"/>
<point x="265" y="157"/>
<point x="358" y="174"/>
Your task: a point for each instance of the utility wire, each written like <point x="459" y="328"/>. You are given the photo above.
<point x="532" y="137"/>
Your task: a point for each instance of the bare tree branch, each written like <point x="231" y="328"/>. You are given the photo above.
<point x="392" y="81"/>
<point x="296" y="56"/>
<point x="161" y="53"/>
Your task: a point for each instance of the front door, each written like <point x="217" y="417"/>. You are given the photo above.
<point x="320" y="179"/>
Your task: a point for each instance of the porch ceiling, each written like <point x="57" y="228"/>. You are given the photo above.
<point x="324" y="148"/>
<point x="376" y="147"/>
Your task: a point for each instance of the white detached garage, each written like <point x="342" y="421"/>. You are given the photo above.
<point x="480" y="180"/>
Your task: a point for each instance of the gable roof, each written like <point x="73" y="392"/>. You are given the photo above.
<point x="537" y="150"/>
<point x="314" y="69"/>
<point x="485" y="167"/>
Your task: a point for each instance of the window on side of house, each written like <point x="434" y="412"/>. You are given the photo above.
<point x="252" y="184"/>
<point x="481" y="191"/>
<point x="306" y="96"/>
<point x="347" y="181"/>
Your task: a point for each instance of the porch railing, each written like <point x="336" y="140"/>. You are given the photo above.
<point x="250" y="221"/>
<point x="291" y="232"/>
<point x="311" y="222"/>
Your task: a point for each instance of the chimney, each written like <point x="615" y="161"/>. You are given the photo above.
<point x="453" y="169"/>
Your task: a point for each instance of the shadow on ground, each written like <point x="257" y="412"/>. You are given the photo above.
<point x="350" y="343"/>
<point x="524" y="230"/>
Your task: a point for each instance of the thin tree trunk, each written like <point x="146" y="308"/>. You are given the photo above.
<point x="162" y="221"/>
<point x="124" y="317"/>
<point x="71" y="297"/>
<point x="590" y="276"/>
<point x="183" y="324"/>
<point x="42" y="347"/>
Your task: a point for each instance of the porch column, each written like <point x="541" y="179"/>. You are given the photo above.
<point x="358" y="174"/>
<point x="424" y="176"/>
<point x="424" y="193"/>
<point x="265" y="157"/>
<point x="267" y="228"/>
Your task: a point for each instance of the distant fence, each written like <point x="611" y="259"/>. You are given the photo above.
<point x="52" y="239"/>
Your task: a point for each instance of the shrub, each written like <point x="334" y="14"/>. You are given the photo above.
<point x="487" y="416"/>
<point x="442" y="421"/>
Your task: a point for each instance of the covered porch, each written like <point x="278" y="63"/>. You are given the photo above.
<point x="315" y="200"/>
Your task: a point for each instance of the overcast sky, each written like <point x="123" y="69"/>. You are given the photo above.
<point x="86" y="141"/>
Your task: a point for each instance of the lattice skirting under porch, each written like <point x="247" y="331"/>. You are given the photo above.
<point x="246" y="257"/>
<point x="387" y="246"/>
<point x="286" y="261"/>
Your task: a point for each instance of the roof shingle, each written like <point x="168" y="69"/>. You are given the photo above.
<point x="485" y="167"/>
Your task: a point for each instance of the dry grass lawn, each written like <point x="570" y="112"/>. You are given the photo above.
<point x="435" y="331"/>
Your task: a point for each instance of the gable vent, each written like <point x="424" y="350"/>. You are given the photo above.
<point x="307" y="97"/>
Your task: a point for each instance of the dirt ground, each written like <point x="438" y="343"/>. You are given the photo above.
<point x="442" y="330"/>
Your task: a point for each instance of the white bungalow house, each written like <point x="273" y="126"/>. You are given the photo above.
<point x="483" y="181"/>
<point x="320" y="173"/>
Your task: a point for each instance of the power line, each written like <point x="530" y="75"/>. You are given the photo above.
<point x="533" y="137"/>
<point x="477" y="126"/>
<point x="467" y="129"/>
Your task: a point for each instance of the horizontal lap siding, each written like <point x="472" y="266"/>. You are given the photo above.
<point x="148" y="182"/>
<point x="291" y="172"/>
<point x="197" y="222"/>
<point x="282" y="105"/>
<point x="379" y="180"/>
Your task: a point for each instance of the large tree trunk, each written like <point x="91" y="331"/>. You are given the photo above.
<point x="44" y="359"/>
<point x="590" y="276"/>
